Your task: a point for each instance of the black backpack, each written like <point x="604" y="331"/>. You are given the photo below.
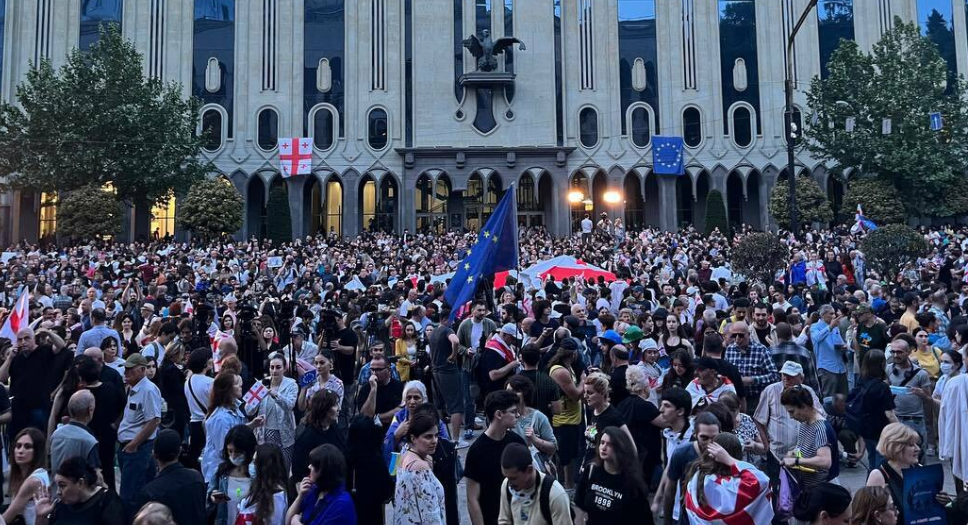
<point x="855" y="407"/>
<point x="544" y="498"/>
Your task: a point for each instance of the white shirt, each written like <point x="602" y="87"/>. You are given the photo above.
<point x="198" y="388"/>
<point x="587" y="225"/>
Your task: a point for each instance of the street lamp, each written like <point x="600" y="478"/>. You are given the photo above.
<point x="575" y="196"/>
<point x="790" y="125"/>
<point x="612" y="197"/>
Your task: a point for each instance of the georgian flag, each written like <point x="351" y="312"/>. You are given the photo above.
<point x="188" y="308"/>
<point x="255" y="394"/>
<point x="19" y="318"/>
<point x="295" y="156"/>
<point x="741" y="498"/>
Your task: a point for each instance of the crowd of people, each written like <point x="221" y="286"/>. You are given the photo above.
<point x="327" y="381"/>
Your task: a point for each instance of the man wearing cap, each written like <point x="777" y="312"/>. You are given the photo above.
<point x="777" y="429"/>
<point x="177" y="487"/>
<point x="708" y="385"/>
<point x="787" y="349"/>
<point x="302" y="348"/>
<point x="136" y="433"/>
<point x="498" y="361"/>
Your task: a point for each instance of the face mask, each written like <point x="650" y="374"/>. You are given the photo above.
<point x="238" y="461"/>
<point x="946" y="368"/>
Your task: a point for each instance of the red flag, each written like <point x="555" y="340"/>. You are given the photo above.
<point x="18" y="318"/>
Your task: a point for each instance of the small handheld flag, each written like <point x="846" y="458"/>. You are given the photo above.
<point x="862" y="223"/>
<point x="257" y="393"/>
<point x="18" y="318"/>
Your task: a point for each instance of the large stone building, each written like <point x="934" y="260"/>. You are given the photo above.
<point x="400" y="143"/>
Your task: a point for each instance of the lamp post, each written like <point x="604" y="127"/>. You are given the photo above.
<point x="788" y="117"/>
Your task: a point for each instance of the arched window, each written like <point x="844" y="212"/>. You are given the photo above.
<point x="742" y="127"/>
<point x="268" y="129"/>
<point x="692" y="127"/>
<point x="588" y="127"/>
<point x="323" y="128"/>
<point x="377" y="129"/>
<point x="641" y="129"/>
<point x="212" y="129"/>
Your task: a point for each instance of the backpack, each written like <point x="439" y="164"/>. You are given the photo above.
<point x="834" y="470"/>
<point x="855" y="408"/>
<point x="544" y="498"/>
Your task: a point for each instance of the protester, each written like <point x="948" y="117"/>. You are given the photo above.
<point x="899" y="446"/>
<point x="266" y="501"/>
<point x="723" y="487"/>
<point x="223" y="415"/>
<point x="81" y="499"/>
<point x="318" y="427"/>
<point x="322" y="498"/>
<point x="827" y="503"/>
<point x="419" y="495"/>
<point x="28" y="476"/>
<point x="531" y="498"/>
<point x="233" y="475"/>
<point x="179" y="488"/>
<point x="611" y="484"/>
<point x="483" y="476"/>
<point x="276" y="407"/>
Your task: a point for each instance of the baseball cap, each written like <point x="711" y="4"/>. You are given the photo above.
<point x="648" y="344"/>
<point x="135" y="360"/>
<point x="510" y="329"/>
<point x="148" y="306"/>
<point x="632" y="334"/>
<point x="612" y="335"/>
<point x="708" y="363"/>
<point x="863" y="309"/>
<point x="792" y="369"/>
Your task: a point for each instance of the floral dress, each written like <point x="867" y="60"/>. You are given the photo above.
<point x="747" y="432"/>
<point x="419" y="497"/>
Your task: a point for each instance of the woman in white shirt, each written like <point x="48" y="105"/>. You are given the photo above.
<point x="266" y="500"/>
<point x="277" y="407"/>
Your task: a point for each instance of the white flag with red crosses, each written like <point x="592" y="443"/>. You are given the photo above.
<point x="18" y="319"/>
<point x="296" y="156"/>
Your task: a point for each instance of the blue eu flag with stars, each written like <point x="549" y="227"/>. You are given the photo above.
<point x="667" y="156"/>
<point x="496" y="250"/>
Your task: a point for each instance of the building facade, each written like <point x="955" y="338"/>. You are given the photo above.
<point x="400" y="142"/>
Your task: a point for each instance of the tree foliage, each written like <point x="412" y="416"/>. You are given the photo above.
<point x="212" y="207"/>
<point x="279" y="226"/>
<point x="879" y="198"/>
<point x="904" y="79"/>
<point x="812" y="203"/>
<point x="759" y="255"/>
<point x="87" y="213"/>
<point x="716" y="213"/>
<point x="890" y="247"/>
<point x="98" y="121"/>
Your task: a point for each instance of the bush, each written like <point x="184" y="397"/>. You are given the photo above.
<point x="279" y="220"/>
<point x="812" y="203"/>
<point x="759" y="255"/>
<point x="88" y="213"/>
<point x="880" y="199"/>
<point x="212" y="208"/>
<point x="890" y="247"/>
<point x="716" y="213"/>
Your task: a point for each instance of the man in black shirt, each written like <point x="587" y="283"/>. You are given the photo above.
<point x="179" y="488"/>
<point x="547" y="393"/>
<point x="482" y="470"/>
<point x="498" y="361"/>
<point x="381" y="395"/>
<point x="30" y="369"/>
<point x="342" y="342"/>
<point x="109" y="401"/>
<point x="620" y="364"/>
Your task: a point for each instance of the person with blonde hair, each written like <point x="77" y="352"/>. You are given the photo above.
<point x="601" y="413"/>
<point x="900" y="447"/>
<point x="874" y="506"/>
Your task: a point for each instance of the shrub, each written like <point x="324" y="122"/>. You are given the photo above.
<point x="890" y="247"/>
<point x="716" y="213"/>
<point x="88" y="213"/>
<point x="279" y="220"/>
<point x="759" y="255"/>
<point x="880" y="199"/>
<point x="812" y="203"/>
<point x="212" y="208"/>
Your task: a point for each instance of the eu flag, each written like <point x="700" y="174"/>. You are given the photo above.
<point x="496" y="250"/>
<point x="667" y="156"/>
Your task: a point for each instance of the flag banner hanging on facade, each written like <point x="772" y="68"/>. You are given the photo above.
<point x="296" y="156"/>
<point x="18" y="319"/>
<point x="667" y="158"/>
<point x="936" y="121"/>
<point x="496" y="250"/>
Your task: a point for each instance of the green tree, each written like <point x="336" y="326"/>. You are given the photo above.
<point x="904" y="80"/>
<point x="889" y="248"/>
<point x="759" y="255"/>
<point x="87" y="213"/>
<point x="99" y="121"/>
<point x="212" y="207"/>
<point x="716" y="213"/>
<point x="812" y="203"/>
<point x="879" y="198"/>
<point x="279" y="221"/>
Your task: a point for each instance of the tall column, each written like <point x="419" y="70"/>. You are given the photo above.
<point x="294" y="189"/>
<point x="667" y="203"/>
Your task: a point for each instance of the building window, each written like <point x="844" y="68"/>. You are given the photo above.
<point x="324" y="27"/>
<point x="835" y="22"/>
<point x="334" y="208"/>
<point x="42" y="42"/>
<point x="641" y="127"/>
<point x="586" y="45"/>
<point x="268" y="129"/>
<point x="93" y="15"/>
<point x="739" y="69"/>
<point x="213" y="55"/>
<point x="163" y="218"/>
<point x="742" y="125"/>
<point x="323" y="128"/>
<point x="270" y="26"/>
<point x="156" y="40"/>
<point x="212" y="130"/>
<point x="692" y="127"/>
<point x="48" y="214"/>
<point x="377" y="129"/>
<point x="588" y="127"/>
<point x="378" y="49"/>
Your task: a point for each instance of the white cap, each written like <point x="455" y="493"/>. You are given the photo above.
<point x="510" y="329"/>
<point x="792" y="369"/>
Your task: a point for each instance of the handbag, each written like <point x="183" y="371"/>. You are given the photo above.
<point x="787" y="497"/>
